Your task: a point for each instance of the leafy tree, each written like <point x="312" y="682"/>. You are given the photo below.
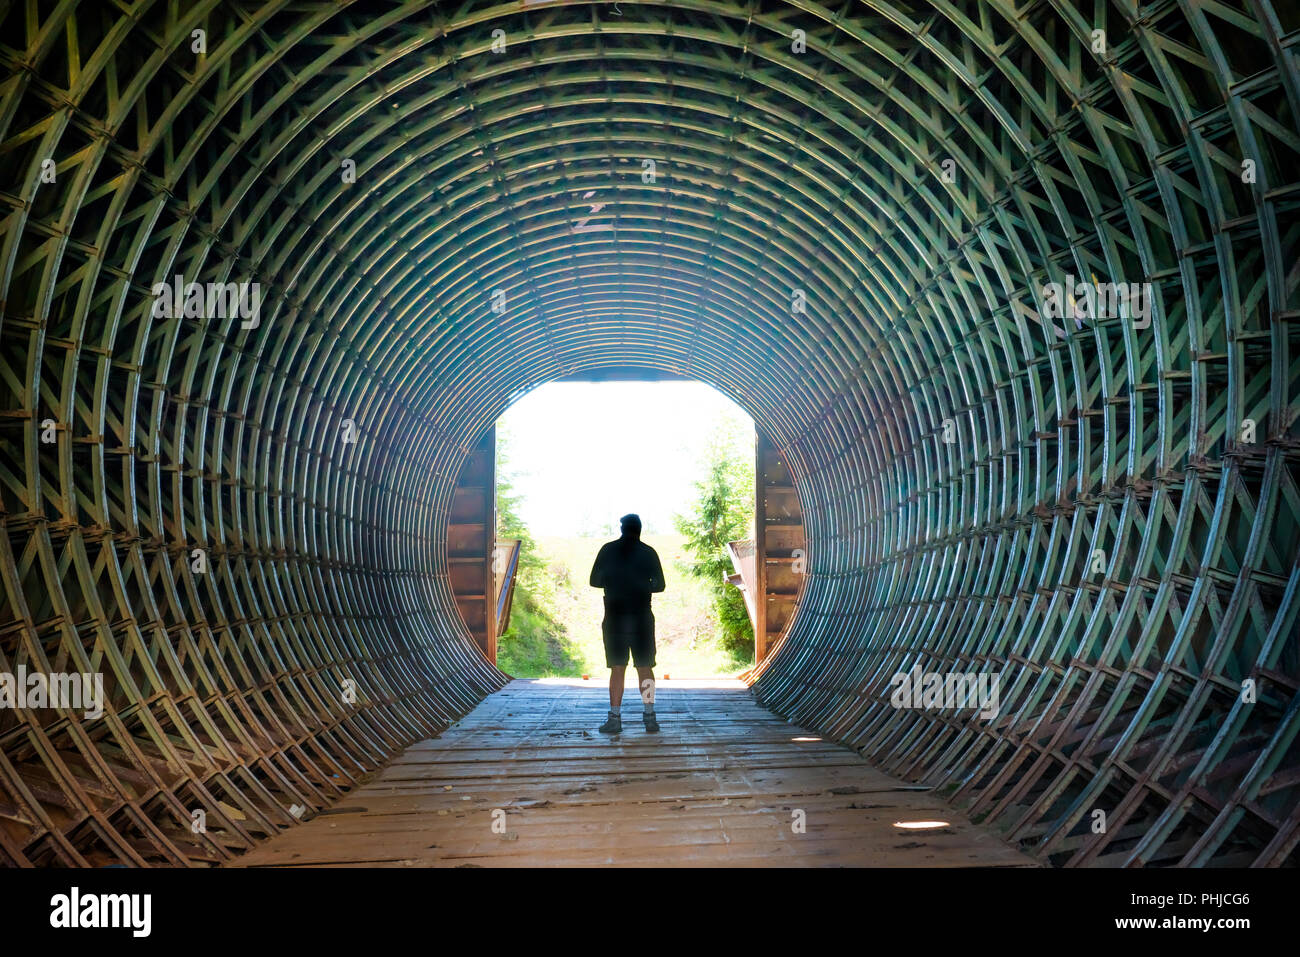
<point x="724" y="512"/>
<point x="534" y="643"/>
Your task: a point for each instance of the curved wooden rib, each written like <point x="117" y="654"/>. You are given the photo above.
<point x="851" y="240"/>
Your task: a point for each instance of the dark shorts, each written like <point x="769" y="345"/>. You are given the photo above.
<point x="634" y="633"/>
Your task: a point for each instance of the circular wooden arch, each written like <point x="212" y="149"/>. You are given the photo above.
<point x="843" y="216"/>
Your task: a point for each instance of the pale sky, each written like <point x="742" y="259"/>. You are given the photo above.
<point x="584" y="453"/>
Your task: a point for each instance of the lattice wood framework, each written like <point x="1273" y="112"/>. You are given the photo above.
<point x="850" y="238"/>
<point x="471" y="544"/>
<point x="780" y="546"/>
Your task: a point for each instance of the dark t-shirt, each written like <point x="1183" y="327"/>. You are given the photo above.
<point x="629" y="571"/>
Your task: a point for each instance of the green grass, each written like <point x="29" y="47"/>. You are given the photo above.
<point x="685" y="623"/>
<point x="533" y="647"/>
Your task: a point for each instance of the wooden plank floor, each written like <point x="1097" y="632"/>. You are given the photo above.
<point x="720" y="785"/>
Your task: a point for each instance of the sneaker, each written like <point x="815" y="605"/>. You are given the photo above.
<point x="613" y="725"/>
<point x="651" y="722"/>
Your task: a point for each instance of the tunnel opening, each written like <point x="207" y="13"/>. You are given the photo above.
<point x="880" y="230"/>
<point x="573" y="455"/>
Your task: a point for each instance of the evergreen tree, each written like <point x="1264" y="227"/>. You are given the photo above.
<point x="534" y="643"/>
<point x="724" y="512"/>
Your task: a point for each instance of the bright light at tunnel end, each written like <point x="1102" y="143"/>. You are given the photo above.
<point x="1007" y="293"/>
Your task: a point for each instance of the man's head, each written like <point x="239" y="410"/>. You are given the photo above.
<point x="630" y="525"/>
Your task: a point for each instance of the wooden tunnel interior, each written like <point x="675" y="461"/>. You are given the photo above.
<point x="848" y="218"/>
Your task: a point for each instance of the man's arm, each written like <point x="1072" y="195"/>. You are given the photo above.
<point x="656" y="573"/>
<point x="598" y="570"/>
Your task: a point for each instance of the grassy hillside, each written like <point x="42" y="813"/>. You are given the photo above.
<point x="684" y="621"/>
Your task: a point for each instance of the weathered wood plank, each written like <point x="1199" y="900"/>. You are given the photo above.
<point x="523" y="780"/>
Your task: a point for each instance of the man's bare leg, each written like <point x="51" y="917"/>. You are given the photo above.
<point x="617" y="675"/>
<point x="613" y="722"/>
<point x="642" y="676"/>
<point x="646" y="679"/>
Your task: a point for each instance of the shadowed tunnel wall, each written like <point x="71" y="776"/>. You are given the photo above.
<point x="845" y="217"/>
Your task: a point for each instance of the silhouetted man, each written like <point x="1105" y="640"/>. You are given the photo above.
<point x="629" y="571"/>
